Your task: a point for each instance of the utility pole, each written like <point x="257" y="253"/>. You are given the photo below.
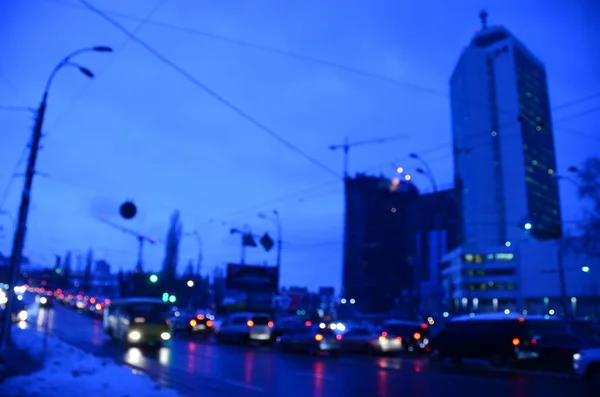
<point x="347" y="145"/>
<point x="563" y="283"/>
<point x="21" y="229"/>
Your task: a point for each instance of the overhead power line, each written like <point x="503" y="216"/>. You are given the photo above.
<point x="236" y="109"/>
<point x="13" y="175"/>
<point x="304" y="57"/>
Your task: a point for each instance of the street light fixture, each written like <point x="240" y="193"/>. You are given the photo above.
<point x="20" y="230"/>
<point x="190" y="283"/>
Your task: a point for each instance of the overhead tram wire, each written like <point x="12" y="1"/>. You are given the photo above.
<point x="215" y="95"/>
<point x="298" y="195"/>
<point x="13" y="175"/>
<point x="577" y="101"/>
<point x="298" y="56"/>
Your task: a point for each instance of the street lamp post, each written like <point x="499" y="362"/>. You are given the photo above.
<point x="21" y="227"/>
<point x="437" y="224"/>
<point x="196" y="234"/>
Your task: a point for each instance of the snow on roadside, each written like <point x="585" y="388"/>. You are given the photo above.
<point x="69" y="371"/>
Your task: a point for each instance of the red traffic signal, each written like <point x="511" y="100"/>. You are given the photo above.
<point x="128" y="210"/>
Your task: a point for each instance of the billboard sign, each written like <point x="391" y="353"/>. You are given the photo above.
<point x="251" y="278"/>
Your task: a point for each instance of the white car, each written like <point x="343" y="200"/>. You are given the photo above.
<point x="586" y="364"/>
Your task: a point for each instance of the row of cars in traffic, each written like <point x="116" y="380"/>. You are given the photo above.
<point x="528" y="342"/>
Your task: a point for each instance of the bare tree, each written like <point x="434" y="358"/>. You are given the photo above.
<point x="588" y="176"/>
<point x="87" y="275"/>
<point x="171" y="260"/>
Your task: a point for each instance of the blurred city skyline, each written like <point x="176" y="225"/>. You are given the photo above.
<point x="140" y="131"/>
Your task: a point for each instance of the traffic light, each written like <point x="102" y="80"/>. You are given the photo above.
<point x="165" y="297"/>
<point x="153" y="278"/>
<point x="172" y="299"/>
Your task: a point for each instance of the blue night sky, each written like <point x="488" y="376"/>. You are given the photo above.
<point x="140" y="130"/>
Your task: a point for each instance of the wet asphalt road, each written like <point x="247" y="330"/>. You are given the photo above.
<point x="208" y="369"/>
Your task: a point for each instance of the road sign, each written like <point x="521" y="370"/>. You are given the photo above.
<point x="267" y="242"/>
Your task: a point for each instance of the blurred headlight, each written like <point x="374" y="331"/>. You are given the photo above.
<point x="134" y="335"/>
<point x="165" y="336"/>
<point x="22" y="316"/>
<point x="43" y="300"/>
<point x="341" y="327"/>
<point x="576" y="356"/>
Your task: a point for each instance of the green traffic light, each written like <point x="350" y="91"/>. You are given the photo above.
<point x="153" y="278"/>
<point x="172" y="298"/>
<point x="165" y="298"/>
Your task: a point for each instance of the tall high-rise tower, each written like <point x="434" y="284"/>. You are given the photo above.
<point x="504" y="155"/>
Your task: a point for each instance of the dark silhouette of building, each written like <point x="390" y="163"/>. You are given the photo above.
<point x="446" y="205"/>
<point x="380" y="243"/>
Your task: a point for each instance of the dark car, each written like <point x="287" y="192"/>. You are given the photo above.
<point x="289" y="326"/>
<point x="499" y="338"/>
<point x="369" y="341"/>
<point x="556" y="351"/>
<point x="202" y="326"/>
<point x="415" y="335"/>
<point x="311" y="340"/>
<point x="44" y="301"/>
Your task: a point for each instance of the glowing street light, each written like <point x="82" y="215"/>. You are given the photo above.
<point x="153" y="278"/>
<point x="585" y="269"/>
<point x="190" y="283"/>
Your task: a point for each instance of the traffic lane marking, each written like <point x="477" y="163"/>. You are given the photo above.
<point x="244" y="385"/>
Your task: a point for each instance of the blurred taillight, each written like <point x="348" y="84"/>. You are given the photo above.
<point x="250" y="323"/>
<point x="417" y="335"/>
<point x="533" y="341"/>
<point x="307" y="323"/>
<point x="424" y="326"/>
<point x="107" y="301"/>
<point x="384" y="334"/>
<point x="209" y="323"/>
<point x="338" y="337"/>
<point x="399" y="338"/>
<point x="93" y="300"/>
<point x="521" y="320"/>
<point x="193" y="323"/>
<point x="318" y="337"/>
<point x="271" y="324"/>
<point x="61" y="296"/>
<point x="200" y="316"/>
<point x="516" y="341"/>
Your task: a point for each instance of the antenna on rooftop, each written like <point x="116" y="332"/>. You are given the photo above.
<point x="483" y="15"/>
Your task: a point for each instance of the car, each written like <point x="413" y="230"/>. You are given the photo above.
<point x="586" y="364"/>
<point x="46" y="302"/>
<point x="500" y="338"/>
<point x="311" y="340"/>
<point x="369" y="341"/>
<point x="246" y="327"/>
<point x="19" y="312"/>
